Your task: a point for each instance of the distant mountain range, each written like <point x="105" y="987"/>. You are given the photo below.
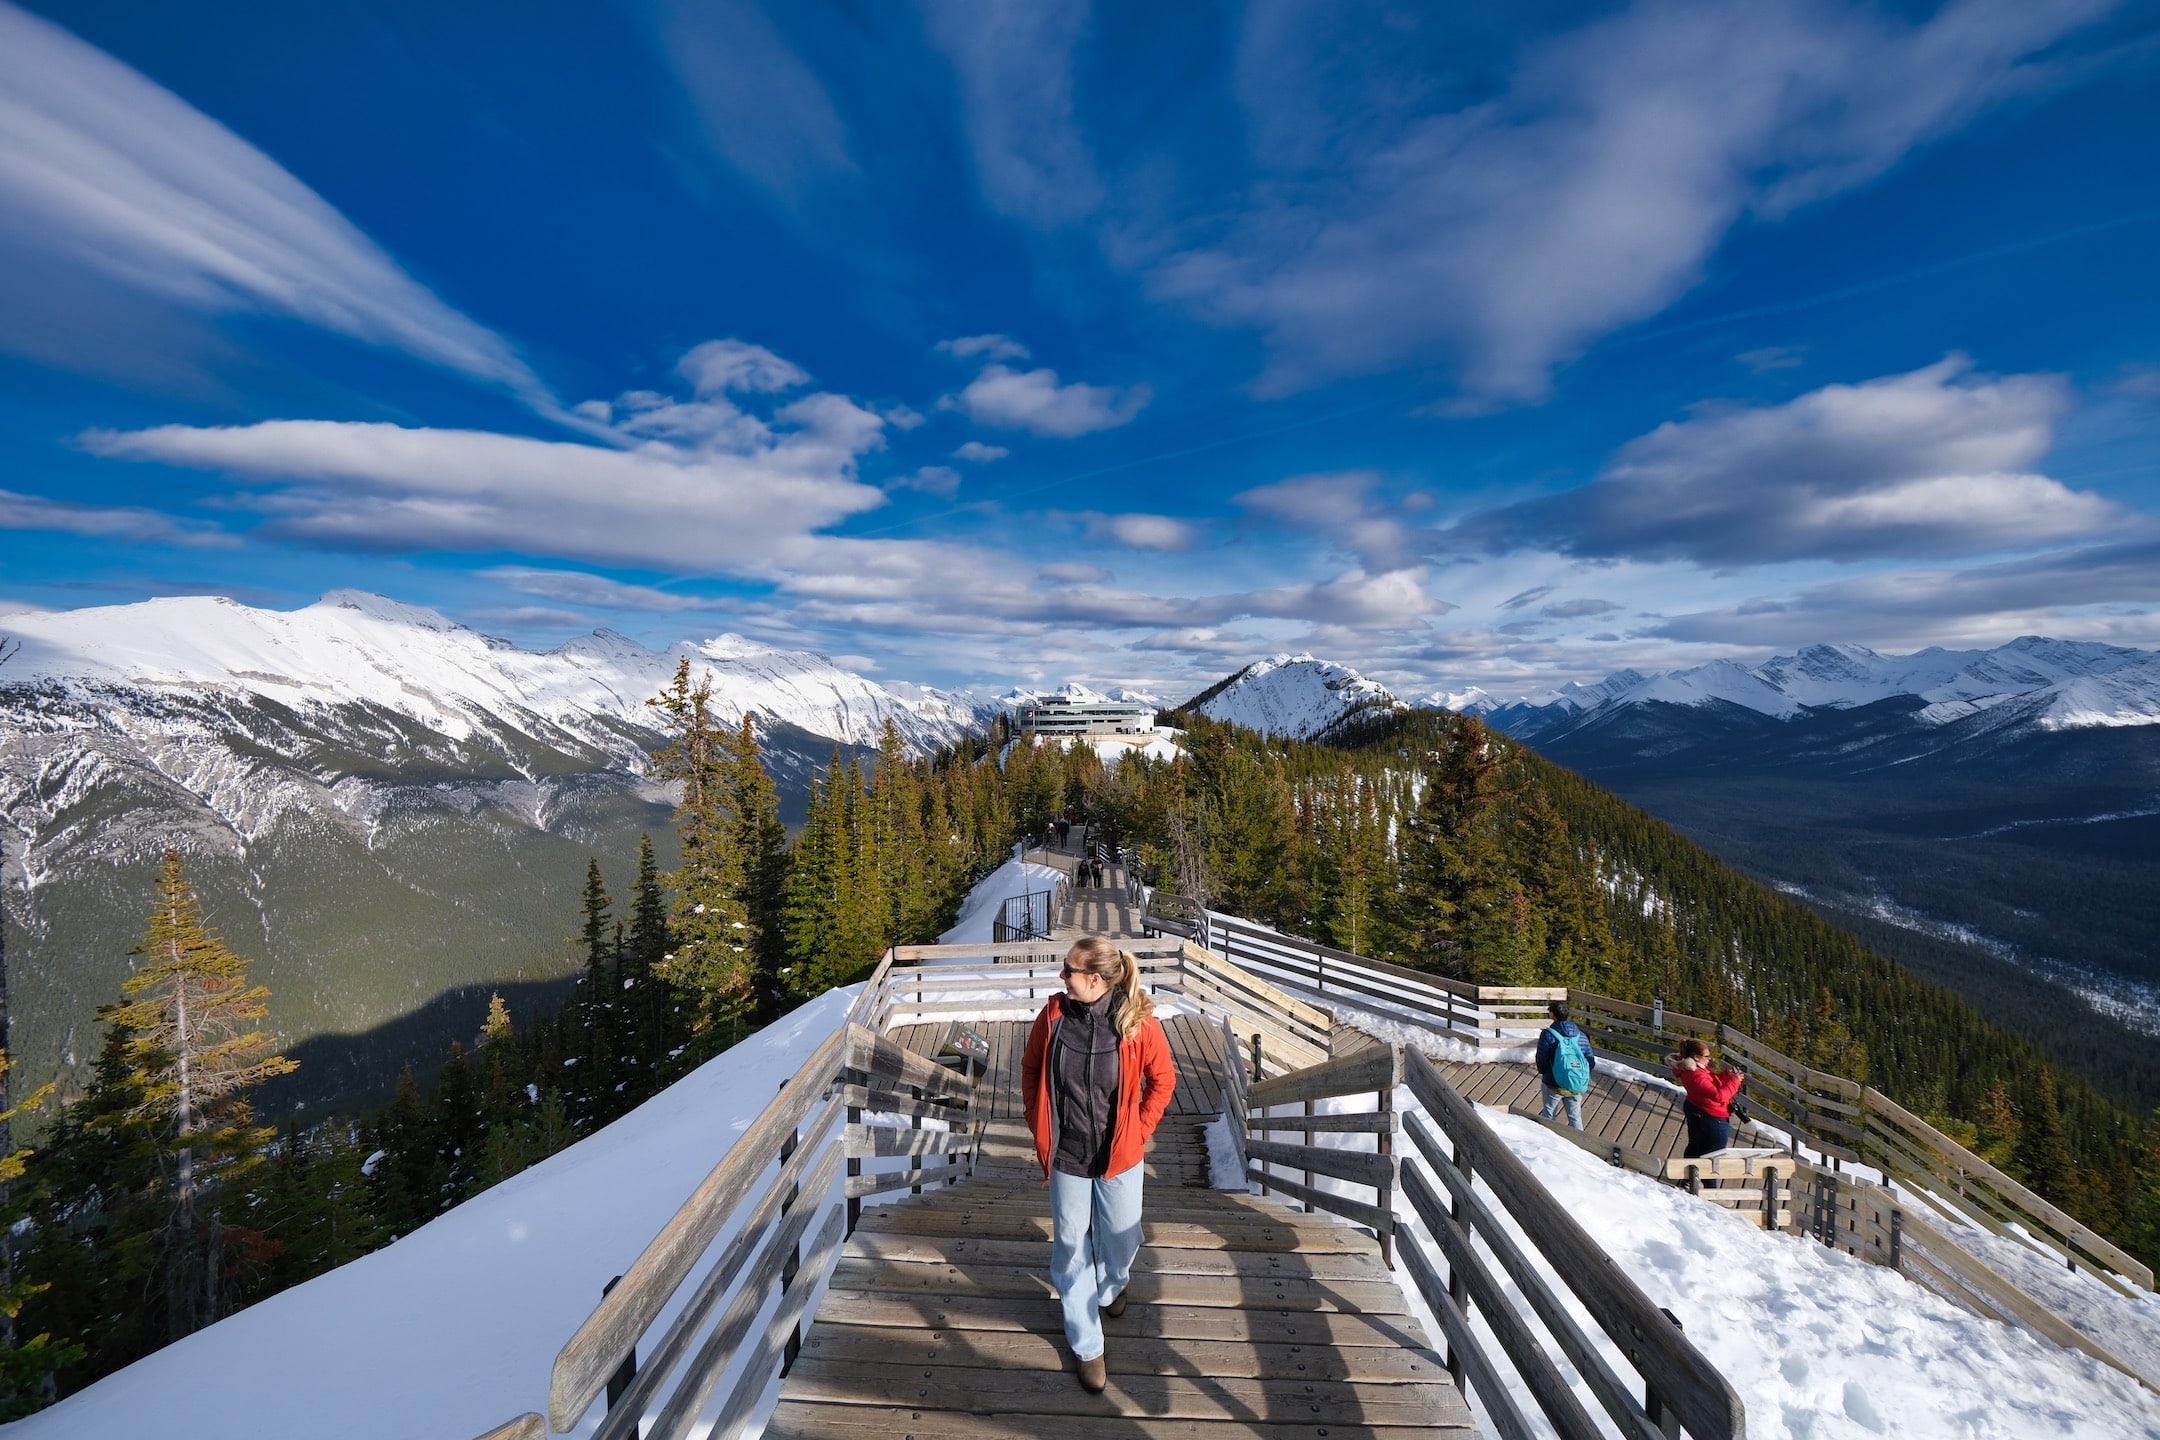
<point x="2030" y="682"/>
<point x="1989" y="817"/>
<point x="380" y="804"/>
<point x="392" y="812"/>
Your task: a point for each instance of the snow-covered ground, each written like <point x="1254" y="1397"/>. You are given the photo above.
<point x="1014" y="877"/>
<point x="453" y="1329"/>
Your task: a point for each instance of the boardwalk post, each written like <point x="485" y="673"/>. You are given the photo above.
<point x="1308" y="1145"/>
<point x="1384" y="1141"/>
<point x="793" y="1262"/>
<point x="1667" y="1422"/>
<point x="625" y="1373"/>
<point x="1457" y="1287"/>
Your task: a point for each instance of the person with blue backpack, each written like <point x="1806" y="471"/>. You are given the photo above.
<point x="1565" y="1063"/>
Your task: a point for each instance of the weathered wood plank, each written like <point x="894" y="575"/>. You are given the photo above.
<point x="802" y="1420"/>
<point x="525" y="1427"/>
<point x="1360" y="1167"/>
<point x="1369" y="1070"/>
<point x="1284" y="1292"/>
<point x="1172" y="1322"/>
<point x="900" y="1247"/>
<point x="1136" y="1354"/>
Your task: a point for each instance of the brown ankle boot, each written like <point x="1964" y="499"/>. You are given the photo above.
<point x="1116" y="1307"/>
<point x="1094" y="1375"/>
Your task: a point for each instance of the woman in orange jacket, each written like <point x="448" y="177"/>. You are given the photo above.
<point x="1096" y="1078"/>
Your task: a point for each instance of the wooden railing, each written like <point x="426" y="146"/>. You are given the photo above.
<point x="789" y="1191"/>
<point x="1678" y="1387"/>
<point x="1841" y="1121"/>
<point x="1375" y="1071"/>
<point x="785" y="1195"/>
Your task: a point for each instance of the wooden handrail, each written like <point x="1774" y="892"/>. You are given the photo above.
<point x="1835" y="1116"/>
<point x="1678" y="1373"/>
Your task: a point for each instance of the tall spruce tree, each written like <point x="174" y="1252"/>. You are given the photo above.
<point x="761" y="841"/>
<point x="189" y="1019"/>
<point x="714" y="959"/>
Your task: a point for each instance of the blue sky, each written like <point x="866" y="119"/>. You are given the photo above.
<point x="1491" y="344"/>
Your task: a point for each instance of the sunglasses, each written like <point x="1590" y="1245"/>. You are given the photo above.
<point x="1066" y="972"/>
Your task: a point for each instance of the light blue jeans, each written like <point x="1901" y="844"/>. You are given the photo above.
<point x="1552" y="1103"/>
<point x="1094" y="1234"/>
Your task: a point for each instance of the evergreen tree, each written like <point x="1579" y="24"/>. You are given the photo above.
<point x="761" y="839"/>
<point x="713" y="962"/>
<point x="189" y="1017"/>
<point x="29" y="1361"/>
<point x="646" y="1033"/>
<point x="592" y="1082"/>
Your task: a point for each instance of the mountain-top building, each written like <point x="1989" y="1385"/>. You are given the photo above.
<point x="1066" y="715"/>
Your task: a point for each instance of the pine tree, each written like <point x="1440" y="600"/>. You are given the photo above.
<point x="646" y="1037"/>
<point x="592" y="1082"/>
<point x="28" y="1364"/>
<point x="189" y="1017"/>
<point x="761" y="839"/>
<point x="2043" y="1147"/>
<point x="713" y="962"/>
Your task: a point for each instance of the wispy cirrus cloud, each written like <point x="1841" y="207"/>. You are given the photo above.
<point x="108" y="522"/>
<point x="111" y="183"/>
<point x="1394" y="224"/>
<point x="581" y="587"/>
<point x="1938" y="462"/>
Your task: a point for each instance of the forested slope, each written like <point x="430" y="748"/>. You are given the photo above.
<point x="1426" y="839"/>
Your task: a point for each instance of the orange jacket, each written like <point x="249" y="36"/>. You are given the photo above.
<point x="1146" y="1081"/>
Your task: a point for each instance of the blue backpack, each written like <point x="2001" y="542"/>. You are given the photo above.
<point x="1570" y="1064"/>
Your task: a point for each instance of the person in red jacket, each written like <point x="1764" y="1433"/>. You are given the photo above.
<point x="1096" y="1078"/>
<point x="1709" y="1098"/>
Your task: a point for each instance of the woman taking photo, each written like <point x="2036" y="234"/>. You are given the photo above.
<point x="1096" y="1079"/>
<point x="1708" y="1108"/>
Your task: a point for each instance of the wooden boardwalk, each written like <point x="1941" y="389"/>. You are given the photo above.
<point x="1246" y="1318"/>
<point x="1637" y="1116"/>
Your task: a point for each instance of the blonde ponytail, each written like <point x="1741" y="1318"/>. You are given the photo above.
<point x="1122" y="970"/>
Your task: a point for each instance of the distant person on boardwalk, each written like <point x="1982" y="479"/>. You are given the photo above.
<point x="1709" y="1098"/>
<point x="1096" y="1078"/>
<point x="1565" y="1063"/>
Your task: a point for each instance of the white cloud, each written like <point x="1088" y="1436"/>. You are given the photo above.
<point x="758" y="107"/>
<point x="719" y="366"/>
<point x="1935" y="462"/>
<point x="1143" y="532"/>
<point x="691" y="486"/>
<point x="931" y="480"/>
<point x="978" y="453"/>
<point x="1506" y="235"/>
<point x="1015" y="68"/>
<point x="109" y="182"/>
<point x="1339" y="505"/>
<point x="984" y="347"/>
<point x="579" y="587"/>
<point x="2036" y="594"/>
<point x="1071" y="574"/>
<point x="1034" y="401"/>
<point x="106" y="522"/>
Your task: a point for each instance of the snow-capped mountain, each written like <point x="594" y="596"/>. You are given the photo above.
<point x="2050" y="685"/>
<point x="379" y="805"/>
<point x="1295" y="695"/>
<point x="352" y="647"/>
<point x="1021" y="695"/>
